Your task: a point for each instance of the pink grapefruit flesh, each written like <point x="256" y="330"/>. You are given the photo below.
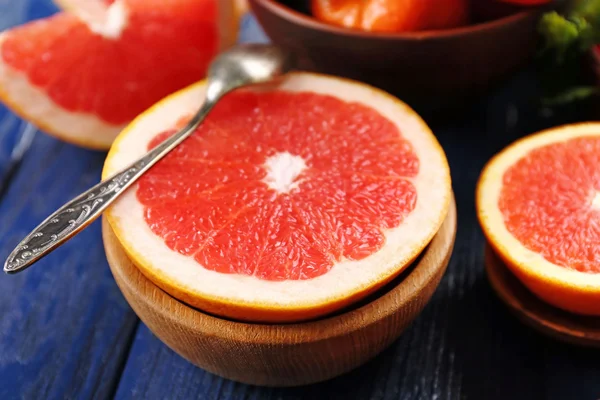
<point x="551" y="202"/>
<point x="353" y="183"/>
<point x="287" y="203"/>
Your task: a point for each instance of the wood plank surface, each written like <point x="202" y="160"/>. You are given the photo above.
<point x="67" y="333"/>
<point x="65" y="328"/>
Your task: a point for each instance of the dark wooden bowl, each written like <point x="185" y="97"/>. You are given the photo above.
<point x="432" y="68"/>
<point x="279" y="354"/>
<point x="593" y="66"/>
<point x="549" y="320"/>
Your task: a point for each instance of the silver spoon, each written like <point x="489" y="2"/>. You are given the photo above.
<point x="242" y="65"/>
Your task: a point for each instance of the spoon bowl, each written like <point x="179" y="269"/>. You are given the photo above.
<point x="246" y="65"/>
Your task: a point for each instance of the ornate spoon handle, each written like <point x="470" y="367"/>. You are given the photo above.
<point x="85" y="208"/>
<point x="237" y="67"/>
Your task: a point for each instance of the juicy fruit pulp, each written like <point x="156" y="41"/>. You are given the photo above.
<point x="550" y="201"/>
<point x="282" y="186"/>
<point x="162" y="47"/>
<point x="392" y="15"/>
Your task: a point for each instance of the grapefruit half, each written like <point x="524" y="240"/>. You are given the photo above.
<point x="287" y="203"/>
<point x="538" y="202"/>
<point x="84" y="73"/>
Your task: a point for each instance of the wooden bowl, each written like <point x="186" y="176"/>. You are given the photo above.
<point x="559" y="324"/>
<point x="432" y="68"/>
<point x="285" y="354"/>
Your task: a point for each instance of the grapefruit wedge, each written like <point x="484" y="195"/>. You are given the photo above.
<point x="83" y="74"/>
<point x="538" y="202"/>
<point x="287" y="203"/>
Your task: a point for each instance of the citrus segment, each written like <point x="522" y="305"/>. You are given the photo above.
<point x="537" y="203"/>
<point x="286" y="203"/>
<point x="83" y="74"/>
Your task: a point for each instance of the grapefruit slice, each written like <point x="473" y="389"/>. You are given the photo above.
<point x="287" y="204"/>
<point x="83" y="74"/>
<point x="538" y="202"/>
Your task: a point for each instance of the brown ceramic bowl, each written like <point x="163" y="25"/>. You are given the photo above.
<point x="432" y="67"/>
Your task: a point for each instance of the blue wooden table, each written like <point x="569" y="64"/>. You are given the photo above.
<point x="66" y="331"/>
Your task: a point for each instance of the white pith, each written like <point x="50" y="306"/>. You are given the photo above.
<point x="106" y="21"/>
<point x="596" y="201"/>
<point x="345" y="278"/>
<point x="488" y="194"/>
<point x="282" y="170"/>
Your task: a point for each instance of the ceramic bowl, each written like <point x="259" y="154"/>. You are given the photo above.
<point x="422" y="68"/>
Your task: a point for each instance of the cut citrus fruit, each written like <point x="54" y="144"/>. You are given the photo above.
<point x="84" y="73"/>
<point x="538" y="202"/>
<point x="392" y="15"/>
<point x="287" y="203"/>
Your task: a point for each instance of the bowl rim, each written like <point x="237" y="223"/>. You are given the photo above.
<point x="298" y="18"/>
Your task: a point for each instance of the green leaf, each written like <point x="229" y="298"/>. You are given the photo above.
<point x="571" y="95"/>
<point x="587" y="9"/>
<point x="567" y="38"/>
<point x="559" y="33"/>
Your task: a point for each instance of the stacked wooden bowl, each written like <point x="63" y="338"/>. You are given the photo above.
<point x="549" y="320"/>
<point x="285" y="354"/>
